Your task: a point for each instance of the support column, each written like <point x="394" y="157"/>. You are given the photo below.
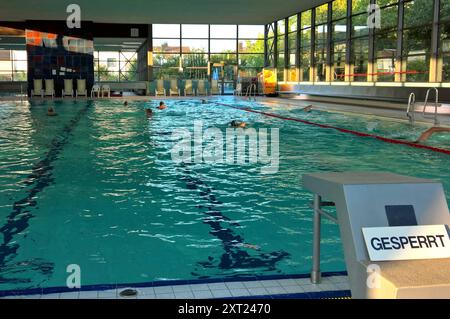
<point x="297" y="49"/>
<point x="371" y="62"/>
<point x="315" y="273"/>
<point x="312" y="71"/>
<point x="286" y="49"/>
<point x="348" y="52"/>
<point x="400" y="65"/>
<point x="435" y="60"/>
<point x="328" y="64"/>
<point x="266" y="49"/>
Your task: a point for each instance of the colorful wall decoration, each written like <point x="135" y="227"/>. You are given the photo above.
<point x="56" y="54"/>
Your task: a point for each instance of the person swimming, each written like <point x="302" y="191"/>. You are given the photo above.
<point x="125" y="103"/>
<point x="237" y="124"/>
<point x="149" y="113"/>
<point x="51" y="111"/>
<point x="204" y="101"/>
<point x="161" y="106"/>
<point x="427" y="134"/>
<point x="307" y="108"/>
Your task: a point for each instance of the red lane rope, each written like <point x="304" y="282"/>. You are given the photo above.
<point x="383" y="73"/>
<point x="381" y="138"/>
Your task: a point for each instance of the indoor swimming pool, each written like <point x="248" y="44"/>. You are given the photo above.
<point x="96" y="186"/>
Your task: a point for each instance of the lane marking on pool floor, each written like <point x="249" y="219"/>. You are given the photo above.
<point x="343" y="130"/>
<point x="18" y="220"/>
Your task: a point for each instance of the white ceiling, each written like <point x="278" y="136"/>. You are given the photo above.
<point x="158" y="11"/>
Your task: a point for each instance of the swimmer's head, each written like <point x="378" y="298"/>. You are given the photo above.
<point x="237" y="124"/>
<point x="125" y="103"/>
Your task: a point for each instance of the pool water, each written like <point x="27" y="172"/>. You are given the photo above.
<point x="96" y="186"/>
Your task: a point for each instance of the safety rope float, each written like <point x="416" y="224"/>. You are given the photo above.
<point x="378" y="137"/>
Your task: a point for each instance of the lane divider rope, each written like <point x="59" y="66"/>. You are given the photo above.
<point x="343" y="130"/>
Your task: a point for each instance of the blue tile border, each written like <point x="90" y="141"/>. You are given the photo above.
<point x="159" y="283"/>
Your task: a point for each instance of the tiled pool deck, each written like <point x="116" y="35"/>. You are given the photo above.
<point x="332" y="286"/>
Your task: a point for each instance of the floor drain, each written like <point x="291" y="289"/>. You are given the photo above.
<point x="128" y="293"/>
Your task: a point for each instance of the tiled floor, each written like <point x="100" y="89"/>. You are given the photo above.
<point x="212" y="290"/>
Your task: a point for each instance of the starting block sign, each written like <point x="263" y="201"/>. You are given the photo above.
<point x="407" y="242"/>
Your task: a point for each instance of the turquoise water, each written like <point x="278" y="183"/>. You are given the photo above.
<point x="96" y="186"/>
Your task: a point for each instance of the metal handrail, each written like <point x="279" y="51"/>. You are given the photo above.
<point x="435" y="104"/>
<point x="411" y="108"/>
<point x="252" y="87"/>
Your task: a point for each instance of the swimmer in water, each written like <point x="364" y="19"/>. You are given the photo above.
<point x="427" y="134"/>
<point x="125" y="103"/>
<point x="237" y="124"/>
<point x="307" y="108"/>
<point x="51" y="112"/>
<point x="161" y="106"/>
<point x="250" y="246"/>
<point x="149" y="113"/>
<point x="204" y="101"/>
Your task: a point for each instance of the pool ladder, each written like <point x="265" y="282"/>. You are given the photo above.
<point x="250" y="89"/>
<point x="411" y="108"/>
<point x="436" y="105"/>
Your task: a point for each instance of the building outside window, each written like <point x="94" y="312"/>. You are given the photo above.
<point x="187" y="51"/>
<point x="13" y="65"/>
<point x="167" y="50"/>
<point x="115" y="66"/>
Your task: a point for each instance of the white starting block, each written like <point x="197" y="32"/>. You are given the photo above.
<point x="400" y="255"/>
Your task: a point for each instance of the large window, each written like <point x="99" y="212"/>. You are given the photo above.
<point x="13" y="65"/>
<point x="195" y="48"/>
<point x="186" y="51"/>
<point x="339" y="38"/>
<point x="385" y="42"/>
<point x="359" y="53"/>
<point x="270" y="45"/>
<point x="115" y="66"/>
<point x="305" y="45"/>
<point x="292" y="49"/>
<point x="320" y="47"/>
<point x="418" y="17"/>
<point x="167" y="50"/>
<point x="281" y="31"/>
<point x="251" y="50"/>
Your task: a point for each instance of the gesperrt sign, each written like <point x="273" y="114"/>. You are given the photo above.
<point x="407" y="242"/>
